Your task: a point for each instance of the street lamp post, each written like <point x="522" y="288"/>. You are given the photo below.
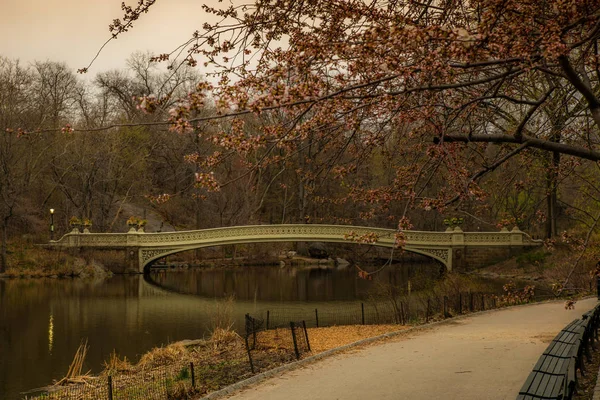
<point x="52" y="224"/>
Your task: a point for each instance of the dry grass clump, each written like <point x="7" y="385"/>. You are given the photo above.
<point x="74" y="374"/>
<point x="160" y="356"/>
<point x="115" y="365"/>
<point x="221" y="316"/>
<point x="221" y="338"/>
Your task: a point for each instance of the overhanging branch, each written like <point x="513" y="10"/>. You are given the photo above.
<point x="585" y="90"/>
<point x="532" y="142"/>
<point x="489" y="168"/>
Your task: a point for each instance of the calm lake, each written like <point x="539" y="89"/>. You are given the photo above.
<point x="43" y="321"/>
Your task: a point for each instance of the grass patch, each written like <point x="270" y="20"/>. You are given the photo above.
<point x="532" y="258"/>
<point x="26" y="260"/>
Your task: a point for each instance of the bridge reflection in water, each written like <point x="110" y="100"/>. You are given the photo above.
<point x="288" y="284"/>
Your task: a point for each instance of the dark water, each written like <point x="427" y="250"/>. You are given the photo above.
<point x="42" y="322"/>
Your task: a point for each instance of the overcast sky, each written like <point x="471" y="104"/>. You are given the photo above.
<point x="73" y="30"/>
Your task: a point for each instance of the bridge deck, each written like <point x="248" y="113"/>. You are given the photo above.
<point x="437" y="245"/>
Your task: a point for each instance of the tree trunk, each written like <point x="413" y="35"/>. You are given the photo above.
<point x="301" y="202"/>
<point x="198" y="213"/>
<point x="552" y="195"/>
<point x="552" y="179"/>
<point x="3" y="240"/>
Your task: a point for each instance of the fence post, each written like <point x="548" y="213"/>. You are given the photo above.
<point x="247" y="323"/>
<point x="253" y="334"/>
<point x="494" y="302"/>
<point x="482" y="301"/>
<point x="459" y="302"/>
<point x="294" y="340"/>
<point x="402" y="312"/>
<point x="471" y="303"/>
<point x="317" y="317"/>
<point x="193" y="375"/>
<point x="306" y="334"/>
<point x="362" y="310"/>
<point x="427" y="312"/>
<point x="445" y="306"/>
<point x="110" y="394"/>
<point x="267" y="319"/>
<point x="249" y="355"/>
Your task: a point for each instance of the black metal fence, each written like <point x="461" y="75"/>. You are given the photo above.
<point x="400" y="310"/>
<point x="299" y="338"/>
<point x="285" y="343"/>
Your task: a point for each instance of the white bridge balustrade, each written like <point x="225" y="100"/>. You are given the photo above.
<point x="453" y="248"/>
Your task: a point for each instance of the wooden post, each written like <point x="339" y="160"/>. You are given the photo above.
<point x="482" y="302"/>
<point x="427" y="312"/>
<point x="247" y="323"/>
<point x="402" y="312"/>
<point x="445" y="306"/>
<point x="362" y="309"/>
<point x="267" y="319"/>
<point x="459" y="302"/>
<point x="253" y="334"/>
<point x="471" y="303"/>
<point x="193" y="375"/>
<point x="110" y="393"/>
<point x="317" y="317"/>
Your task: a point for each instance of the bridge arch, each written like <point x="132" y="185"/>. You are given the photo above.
<point x="149" y="257"/>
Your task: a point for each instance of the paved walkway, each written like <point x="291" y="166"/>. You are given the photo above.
<point x="485" y="356"/>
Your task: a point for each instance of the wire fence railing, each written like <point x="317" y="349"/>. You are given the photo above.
<point x="165" y="382"/>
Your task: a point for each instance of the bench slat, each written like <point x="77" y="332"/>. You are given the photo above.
<point x="543" y="386"/>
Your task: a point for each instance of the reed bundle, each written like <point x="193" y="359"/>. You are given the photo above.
<point x="74" y="374"/>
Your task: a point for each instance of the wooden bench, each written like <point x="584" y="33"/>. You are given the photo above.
<point x="554" y="376"/>
<point x="594" y="316"/>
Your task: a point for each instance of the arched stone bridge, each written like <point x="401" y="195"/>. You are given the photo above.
<point x="453" y="248"/>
